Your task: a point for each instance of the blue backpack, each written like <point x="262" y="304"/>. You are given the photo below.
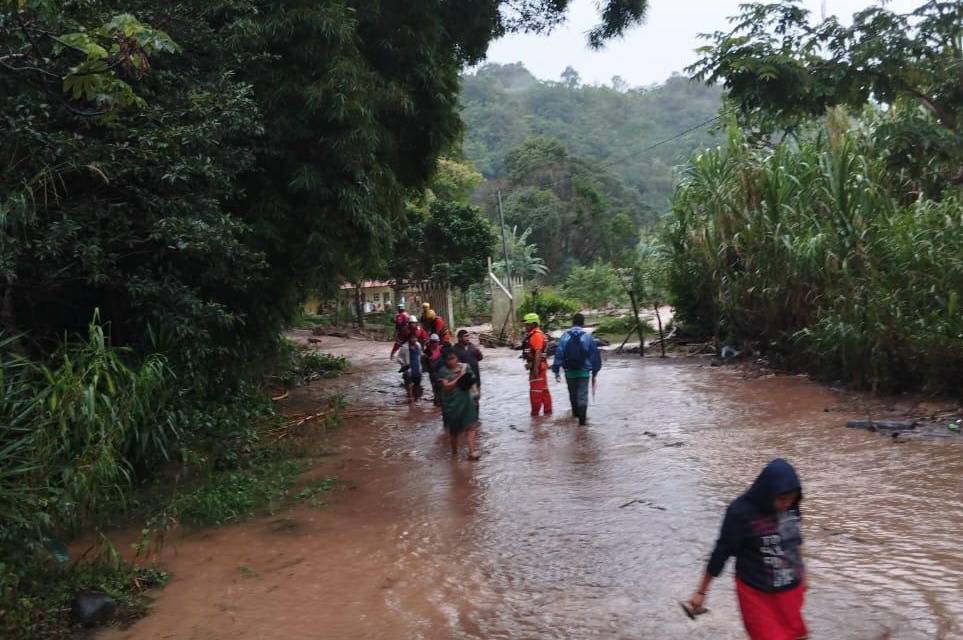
<point x="575" y="352"/>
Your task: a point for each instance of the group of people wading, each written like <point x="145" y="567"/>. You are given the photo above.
<point x="761" y="528"/>
<point x="423" y="346"/>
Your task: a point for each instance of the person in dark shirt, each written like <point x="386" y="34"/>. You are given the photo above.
<point x="469" y="354"/>
<point x="432" y="358"/>
<point x="762" y="530"/>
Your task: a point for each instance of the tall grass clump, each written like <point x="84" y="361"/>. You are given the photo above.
<point x="93" y="435"/>
<point x="818" y="253"/>
<point x="75" y="430"/>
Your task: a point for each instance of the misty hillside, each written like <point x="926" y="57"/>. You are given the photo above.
<point x="503" y="105"/>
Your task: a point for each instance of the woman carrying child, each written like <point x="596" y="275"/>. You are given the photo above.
<point x="458" y="406"/>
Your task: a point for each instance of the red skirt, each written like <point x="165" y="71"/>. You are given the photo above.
<point x="772" y="616"/>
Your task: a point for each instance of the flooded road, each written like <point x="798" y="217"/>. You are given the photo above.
<point x="568" y="532"/>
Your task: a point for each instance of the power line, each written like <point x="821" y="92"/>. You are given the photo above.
<point x="611" y="162"/>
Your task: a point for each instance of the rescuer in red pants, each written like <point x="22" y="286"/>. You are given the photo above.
<point x="534" y="351"/>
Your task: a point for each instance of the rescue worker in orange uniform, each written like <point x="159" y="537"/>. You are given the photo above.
<point x="533" y="350"/>
<point x="434" y="323"/>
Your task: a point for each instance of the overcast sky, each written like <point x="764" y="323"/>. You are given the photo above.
<point x="649" y="53"/>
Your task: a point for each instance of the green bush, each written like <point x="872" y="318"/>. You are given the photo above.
<point x="229" y="496"/>
<point x="300" y="365"/>
<point x="78" y="433"/>
<point x="819" y="253"/>
<point x="225" y="430"/>
<point x="596" y="286"/>
<point x="552" y="308"/>
<point x="619" y="326"/>
<point x="76" y="428"/>
<point x="35" y="604"/>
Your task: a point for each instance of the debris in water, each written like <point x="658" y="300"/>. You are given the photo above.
<point x="676" y="444"/>
<point x="882" y="425"/>
<point x="647" y="503"/>
<point x="729" y="353"/>
<point x="691" y="611"/>
<point x="514" y="428"/>
<point x="247" y="572"/>
<point x="648" y="433"/>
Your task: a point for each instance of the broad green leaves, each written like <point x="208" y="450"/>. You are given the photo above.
<point x="96" y="79"/>
<point x="814" y="251"/>
<point x="781" y="67"/>
<point x="81" y="42"/>
<point x="96" y="64"/>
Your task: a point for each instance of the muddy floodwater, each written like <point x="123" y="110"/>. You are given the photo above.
<point x="568" y="532"/>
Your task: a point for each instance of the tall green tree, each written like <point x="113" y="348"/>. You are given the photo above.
<point x="458" y="242"/>
<point x="442" y="235"/>
<point x="782" y="68"/>
<point x="120" y="201"/>
<point x="573" y="209"/>
<point x="196" y="166"/>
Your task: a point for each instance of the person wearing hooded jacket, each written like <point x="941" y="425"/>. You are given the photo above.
<point x="761" y="529"/>
<point x="579" y="371"/>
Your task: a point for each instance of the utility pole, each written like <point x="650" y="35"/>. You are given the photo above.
<point x="508" y="266"/>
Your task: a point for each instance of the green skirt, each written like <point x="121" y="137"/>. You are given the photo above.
<point x="458" y="407"/>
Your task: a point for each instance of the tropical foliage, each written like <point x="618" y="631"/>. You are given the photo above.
<point x="840" y="246"/>
<point x="780" y="69"/>
<point x="572" y="210"/>
<point x="553" y="310"/>
<point x="442" y="236"/>
<point x="596" y="286"/>
<point x="523" y="259"/>
<point x="818" y="252"/>
<point x="184" y="173"/>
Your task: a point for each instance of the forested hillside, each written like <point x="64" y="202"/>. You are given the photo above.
<point x="504" y="105"/>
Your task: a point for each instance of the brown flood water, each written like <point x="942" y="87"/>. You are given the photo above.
<point x="533" y="540"/>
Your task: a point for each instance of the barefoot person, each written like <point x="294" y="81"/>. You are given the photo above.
<point x="762" y="530"/>
<point x="458" y="406"/>
<point x="469" y="354"/>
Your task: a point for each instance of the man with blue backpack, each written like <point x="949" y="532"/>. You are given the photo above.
<point x="580" y="357"/>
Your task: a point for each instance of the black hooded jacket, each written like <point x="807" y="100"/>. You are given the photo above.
<point x="764" y="542"/>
